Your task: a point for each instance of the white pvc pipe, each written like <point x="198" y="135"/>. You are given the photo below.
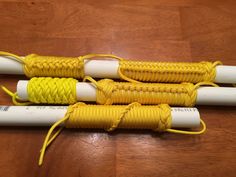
<point x="216" y="96"/>
<point x="10" y="66"/>
<point x="21" y="90"/>
<point x="47" y="115"/>
<point x="101" y="68"/>
<point x="86" y="91"/>
<point x="205" y="95"/>
<point x="225" y="74"/>
<point x="109" y="68"/>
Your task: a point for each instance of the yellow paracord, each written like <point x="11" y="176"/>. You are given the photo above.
<point x="52" y="66"/>
<point x="52" y="90"/>
<point x="135" y="116"/>
<point x="63" y="91"/>
<point x="168" y="71"/>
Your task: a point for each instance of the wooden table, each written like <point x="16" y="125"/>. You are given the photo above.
<point x="165" y="30"/>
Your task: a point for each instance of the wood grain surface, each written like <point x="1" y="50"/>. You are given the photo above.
<point x="161" y="30"/>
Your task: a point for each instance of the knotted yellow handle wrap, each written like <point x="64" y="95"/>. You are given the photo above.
<point x="133" y="71"/>
<point x="133" y="116"/>
<point x="52" y="90"/>
<point x="109" y="92"/>
<point x="47" y="90"/>
<point x="168" y="71"/>
<point x="63" y="91"/>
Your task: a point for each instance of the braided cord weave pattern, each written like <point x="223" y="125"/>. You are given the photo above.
<point x="63" y="91"/>
<point x="168" y="71"/>
<point x="132" y="116"/>
<point x="52" y="66"/>
<point x="110" y="92"/>
<point x="133" y="71"/>
<point x="80" y="115"/>
<point x="52" y="90"/>
<point x="135" y="116"/>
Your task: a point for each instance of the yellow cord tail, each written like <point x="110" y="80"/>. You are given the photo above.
<point x="15" y="99"/>
<point x="48" y="140"/>
<point x="205" y="84"/>
<point x="132" y="71"/>
<point x="12" y="57"/>
<point x="102" y="57"/>
<point x="80" y="115"/>
<point x="190" y="132"/>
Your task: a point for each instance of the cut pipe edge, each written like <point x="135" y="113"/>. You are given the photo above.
<point x="109" y="69"/>
<point x="205" y="95"/>
<point x="47" y="115"/>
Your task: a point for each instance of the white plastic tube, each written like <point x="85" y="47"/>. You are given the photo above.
<point x="225" y="74"/>
<point x="216" y="96"/>
<point x="205" y="95"/>
<point x="47" y="115"/>
<point x="109" y="68"/>
<point x="10" y="66"/>
<point x="101" y="68"/>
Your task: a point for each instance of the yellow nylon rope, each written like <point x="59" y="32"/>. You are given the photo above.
<point x="168" y="71"/>
<point x="133" y="71"/>
<point x="63" y="91"/>
<point x="52" y="90"/>
<point x="15" y="99"/>
<point x="135" y="116"/>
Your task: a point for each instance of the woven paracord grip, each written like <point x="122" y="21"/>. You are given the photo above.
<point x="168" y="71"/>
<point x="52" y="90"/>
<point x="133" y="116"/>
<point x="63" y="91"/>
<point x="111" y="92"/>
<point x="133" y="71"/>
<point x="50" y="66"/>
